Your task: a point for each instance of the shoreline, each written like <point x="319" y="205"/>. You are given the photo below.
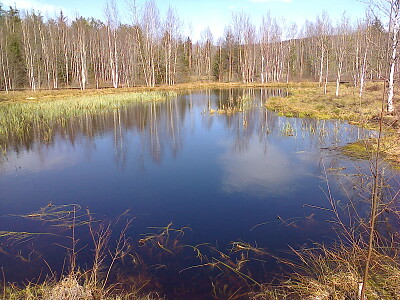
<point x="71" y="92"/>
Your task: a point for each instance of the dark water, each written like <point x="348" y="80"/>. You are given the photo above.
<point x="253" y="177"/>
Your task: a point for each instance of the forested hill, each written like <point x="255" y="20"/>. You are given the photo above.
<point x="37" y="53"/>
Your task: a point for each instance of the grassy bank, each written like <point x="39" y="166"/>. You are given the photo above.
<point x="311" y="102"/>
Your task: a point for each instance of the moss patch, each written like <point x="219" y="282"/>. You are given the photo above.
<point x="360" y="149"/>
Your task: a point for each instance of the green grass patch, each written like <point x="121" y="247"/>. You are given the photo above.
<point x="18" y="119"/>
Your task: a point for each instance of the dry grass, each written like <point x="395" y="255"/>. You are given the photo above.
<point x="312" y="102"/>
<point x="69" y="288"/>
<point x="391" y="148"/>
<point x="336" y="274"/>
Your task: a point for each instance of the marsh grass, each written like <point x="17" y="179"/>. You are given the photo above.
<point x="288" y="129"/>
<point x="234" y="106"/>
<point x="312" y="102"/>
<point x="20" y="119"/>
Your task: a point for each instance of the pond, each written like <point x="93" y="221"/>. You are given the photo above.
<point x="246" y="178"/>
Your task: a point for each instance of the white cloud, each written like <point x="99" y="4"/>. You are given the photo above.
<point x="36" y="5"/>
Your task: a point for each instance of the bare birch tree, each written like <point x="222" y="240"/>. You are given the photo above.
<point x="394" y="28"/>
<point x="112" y="23"/>
<point x="170" y="45"/>
<point x="391" y="9"/>
<point x="322" y="32"/>
<point x="80" y="52"/>
<point x="340" y="47"/>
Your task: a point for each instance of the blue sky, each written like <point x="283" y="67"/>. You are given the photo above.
<point x="198" y="14"/>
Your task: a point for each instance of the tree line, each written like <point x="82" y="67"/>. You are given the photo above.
<point x="150" y="49"/>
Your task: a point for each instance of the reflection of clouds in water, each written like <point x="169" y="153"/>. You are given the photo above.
<point x="34" y="161"/>
<point x="257" y="171"/>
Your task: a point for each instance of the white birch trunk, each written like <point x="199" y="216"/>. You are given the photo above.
<point x="390" y="106"/>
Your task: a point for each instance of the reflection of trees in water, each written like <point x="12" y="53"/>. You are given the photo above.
<point x="243" y="124"/>
<point x="157" y="125"/>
